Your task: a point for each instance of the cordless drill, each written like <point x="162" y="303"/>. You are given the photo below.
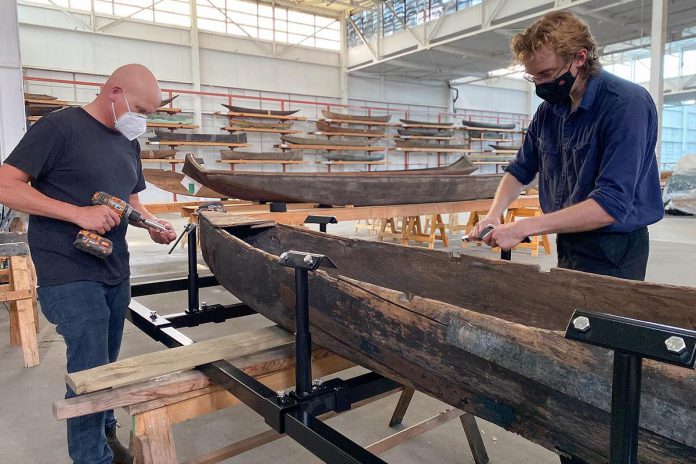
<point x="95" y="244"/>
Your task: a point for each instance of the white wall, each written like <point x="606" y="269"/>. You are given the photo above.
<point x="58" y="46"/>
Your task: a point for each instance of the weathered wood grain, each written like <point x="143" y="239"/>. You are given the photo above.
<point x="150" y="365"/>
<point x="474" y="333"/>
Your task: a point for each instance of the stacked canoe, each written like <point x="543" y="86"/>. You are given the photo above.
<point x="342" y="129"/>
<point x="257" y="120"/>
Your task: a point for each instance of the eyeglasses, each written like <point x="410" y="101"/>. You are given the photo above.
<point x="543" y="79"/>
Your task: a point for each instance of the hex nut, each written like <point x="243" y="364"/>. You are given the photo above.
<point x="581" y="324"/>
<point x="675" y="344"/>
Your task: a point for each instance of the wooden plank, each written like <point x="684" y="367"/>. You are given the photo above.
<point x="150" y="365"/>
<point x="385" y="444"/>
<point x="260" y="129"/>
<point x="161" y="161"/>
<point x="370" y="163"/>
<point x="379" y="212"/>
<point x="437" y="150"/>
<point x="21" y="280"/>
<point x="158" y="432"/>
<point x="261" y="162"/>
<point x="237" y="448"/>
<point x="176" y="206"/>
<point x="14" y="249"/>
<point x="293" y="146"/>
<point x="260" y="116"/>
<point x="171" y="125"/>
<point x="485" y="129"/>
<point x="350" y="134"/>
<point x="36" y="101"/>
<point x="362" y="123"/>
<point x="14" y="295"/>
<point x="473" y="436"/>
<point x="178" y="143"/>
<point x="167" y="109"/>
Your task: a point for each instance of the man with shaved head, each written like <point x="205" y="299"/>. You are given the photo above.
<point x="64" y="158"/>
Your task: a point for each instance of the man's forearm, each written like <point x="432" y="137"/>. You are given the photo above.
<point x="585" y="216"/>
<point x="508" y="191"/>
<point x="25" y="198"/>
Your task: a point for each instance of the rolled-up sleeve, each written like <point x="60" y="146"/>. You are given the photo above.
<point x="630" y="129"/>
<point x="526" y="165"/>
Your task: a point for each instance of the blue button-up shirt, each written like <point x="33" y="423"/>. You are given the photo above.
<point x="605" y="150"/>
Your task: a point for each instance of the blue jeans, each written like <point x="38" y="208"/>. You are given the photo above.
<point x="90" y="317"/>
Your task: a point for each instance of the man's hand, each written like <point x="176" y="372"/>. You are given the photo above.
<point x="99" y="219"/>
<point x="506" y="236"/>
<point x="162" y="237"/>
<point x="482" y="224"/>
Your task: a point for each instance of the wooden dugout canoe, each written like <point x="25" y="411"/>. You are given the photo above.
<point x="170" y="181"/>
<point x="239" y="137"/>
<point x="411" y="122"/>
<point x="323" y="126"/>
<point x="343" y="156"/>
<point x="260" y="125"/>
<point x="480" y="334"/>
<point x="266" y="156"/>
<point x="354" y="117"/>
<point x="426" y="132"/>
<point x="452" y="183"/>
<point x="434" y="145"/>
<point x="487" y="125"/>
<point x="291" y="140"/>
<point x="157" y="154"/>
<point x="242" y="109"/>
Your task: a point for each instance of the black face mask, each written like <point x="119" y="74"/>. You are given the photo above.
<point x="558" y="90"/>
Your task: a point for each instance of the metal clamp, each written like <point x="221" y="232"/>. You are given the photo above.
<point x="306" y="261"/>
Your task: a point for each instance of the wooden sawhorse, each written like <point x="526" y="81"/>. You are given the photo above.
<point x="18" y="291"/>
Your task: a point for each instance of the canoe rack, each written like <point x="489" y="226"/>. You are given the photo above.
<point x="296" y="413"/>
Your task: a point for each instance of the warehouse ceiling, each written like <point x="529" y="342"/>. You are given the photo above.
<point x="477" y="51"/>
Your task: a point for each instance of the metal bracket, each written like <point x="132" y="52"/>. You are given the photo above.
<point x="306" y="261"/>
<point x="632" y="340"/>
<point x="662" y="343"/>
<point x="321" y="220"/>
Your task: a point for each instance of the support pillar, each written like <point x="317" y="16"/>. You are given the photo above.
<point x="195" y="66"/>
<point x="12" y="119"/>
<point x="343" y="64"/>
<point x="658" y="33"/>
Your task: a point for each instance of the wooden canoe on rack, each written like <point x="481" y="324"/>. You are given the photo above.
<point x="170" y="181"/>
<point x="411" y="122"/>
<point x="354" y="117"/>
<point x="240" y="137"/>
<point x="292" y="140"/>
<point x="487" y="125"/>
<point x="241" y="109"/>
<point x="323" y="126"/>
<point x="451" y="183"/>
<point x="270" y="155"/>
<point x="426" y="132"/>
<point x="167" y="101"/>
<point x="347" y="156"/>
<point x="434" y="145"/>
<point x="482" y="335"/>
<point x="243" y="123"/>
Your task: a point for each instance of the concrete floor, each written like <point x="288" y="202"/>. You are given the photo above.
<point x="30" y="434"/>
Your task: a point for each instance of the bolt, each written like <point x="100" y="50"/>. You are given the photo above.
<point x="581" y="324"/>
<point x="153" y="315"/>
<point x="308" y="260"/>
<point x="204" y="304"/>
<point x="318" y="382"/>
<point x="281" y="394"/>
<point x="675" y="345"/>
<point x="284" y="257"/>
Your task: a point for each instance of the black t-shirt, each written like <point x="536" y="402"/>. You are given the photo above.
<point x="69" y="156"/>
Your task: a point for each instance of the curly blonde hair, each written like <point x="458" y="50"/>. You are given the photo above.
<point x="564" y="33"/>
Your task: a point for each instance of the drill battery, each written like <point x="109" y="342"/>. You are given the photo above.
<point x="94" y="244"/>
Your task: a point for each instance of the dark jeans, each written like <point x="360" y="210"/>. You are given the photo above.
<point x="90" y="316"/>
<point x="623" y="255"/>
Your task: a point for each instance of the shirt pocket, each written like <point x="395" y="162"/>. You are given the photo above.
<point x="584" y="164"/>
<point x="549" y="159"/>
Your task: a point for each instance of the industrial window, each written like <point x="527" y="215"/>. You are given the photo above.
<point x="235" y="17"/>
<point x="261" y="21"/>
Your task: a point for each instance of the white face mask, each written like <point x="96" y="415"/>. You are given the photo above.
<point x="131" y="125"/>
